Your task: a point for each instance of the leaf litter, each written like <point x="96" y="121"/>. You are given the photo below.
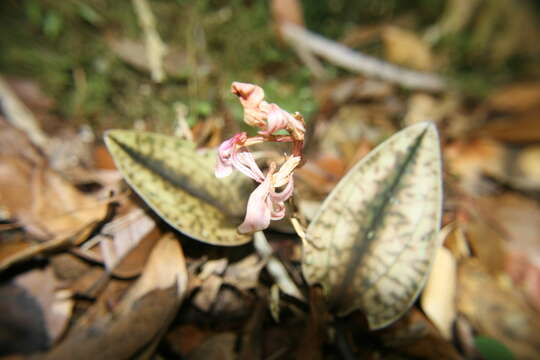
<point x="79" y="279"/>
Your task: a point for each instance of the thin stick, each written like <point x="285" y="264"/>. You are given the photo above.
<point x="155" y="48"/>
<point x="20" y="116"/>
<point x="276" y="269"/>
<point x="355" y="61"/>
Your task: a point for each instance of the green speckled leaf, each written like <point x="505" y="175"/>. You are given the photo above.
<point x="373" y="241"/>
<point x="178" y="183"/>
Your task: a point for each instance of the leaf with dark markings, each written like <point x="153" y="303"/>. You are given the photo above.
<point x="372" y="243"/>
<point x="177" y="181"/>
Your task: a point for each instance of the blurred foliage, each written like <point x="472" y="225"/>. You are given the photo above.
<point x="491" y="349"/>
<point x="63" y="45"/>
<point x="334" y="17"/>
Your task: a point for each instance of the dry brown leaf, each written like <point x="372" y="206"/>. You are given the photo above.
<point x="208" y="292"/>
<point x="519" y="217"/>
<point x="230" y="303"/>
<point x="415" y="337"/>
<point x="14" y="143"/>
<point x="11" y="247"/>
<point x="213" y="267"/>
<point x="56" y="303"/>
<point x="22" y="324"/>
<point x="515" y="128"/>
<point x="36" y="311"/>
<point x="43" y="202"/>
<point x="465" y="337"/>
<point x="185" y="338"/>
<point x="121" y="337"/>
<point x="438" y="298"/>
<point x="102" y="158"/>
<point x="68" y="267"/>
<point x="486" y="240"/>
<point x="516" y="97"/>
<point x="119" y="238"/>
<point x="471" y="160"/>
<point x="217" y="347"/>
<point x="525" y="274"/>
<point x="423" y="107"/>
<point x="456" y="242"/>
<point x="244" y="274"/>
<point x="165" y="268"/>
<point x="46" y="247"/>
<point x="404" y="47"/>
<point x="91" y="283"/>
<point x="526" y="174"/>
<point x="498" y="311"/>
<point x="210" y="281"/>
<point x="141" y="317"/>
<point x="133" y="263"/>
<point x="352" y="127"/>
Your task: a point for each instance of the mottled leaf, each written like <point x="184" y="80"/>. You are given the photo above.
<point x="177" y="182"/>
<point x="372" y="243"/>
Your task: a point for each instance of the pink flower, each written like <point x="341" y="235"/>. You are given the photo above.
<point x="224" y="162"/>
<point x="251" y="97"/>
<point x="233" y="154"/>
<point x="266" y="204"/>
<point x="263" y="115"/>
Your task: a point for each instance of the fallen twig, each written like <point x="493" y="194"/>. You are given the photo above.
<point x="357" y="62"/>
<point x="19" y="115"/>
<point x="155" y="48"/>
<point x="275" y="267"/>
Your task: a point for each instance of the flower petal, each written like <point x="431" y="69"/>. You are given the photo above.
<point x="225" y="151"/>
<point x="283" y="175"/>
<point x="278" y="211"/>
<point x="285" y="194"/>
<point x="277" y="120"/>
<point x="251" y="97"/>
<point x="222" y="169"/>
<point x="259" y="209"/>
<point x="244" y="162"/>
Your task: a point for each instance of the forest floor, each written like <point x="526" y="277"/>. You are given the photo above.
<point x="89" y="270"/>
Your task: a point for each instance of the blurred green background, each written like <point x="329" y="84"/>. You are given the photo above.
<point x="84" y="53"/>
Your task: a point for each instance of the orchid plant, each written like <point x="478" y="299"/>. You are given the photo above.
<point x="265" y="203"/>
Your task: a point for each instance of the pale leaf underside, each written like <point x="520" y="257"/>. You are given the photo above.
<point x="373" y="241"/>
<point x="178" y="183"/>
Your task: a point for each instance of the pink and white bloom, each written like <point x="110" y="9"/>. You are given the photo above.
<point x="224" y="165"/>
<point x="252" y="100"/>
<point x="232" y="153"/>
<point x="269" y="117"/>
<point x="264" y="203"/>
